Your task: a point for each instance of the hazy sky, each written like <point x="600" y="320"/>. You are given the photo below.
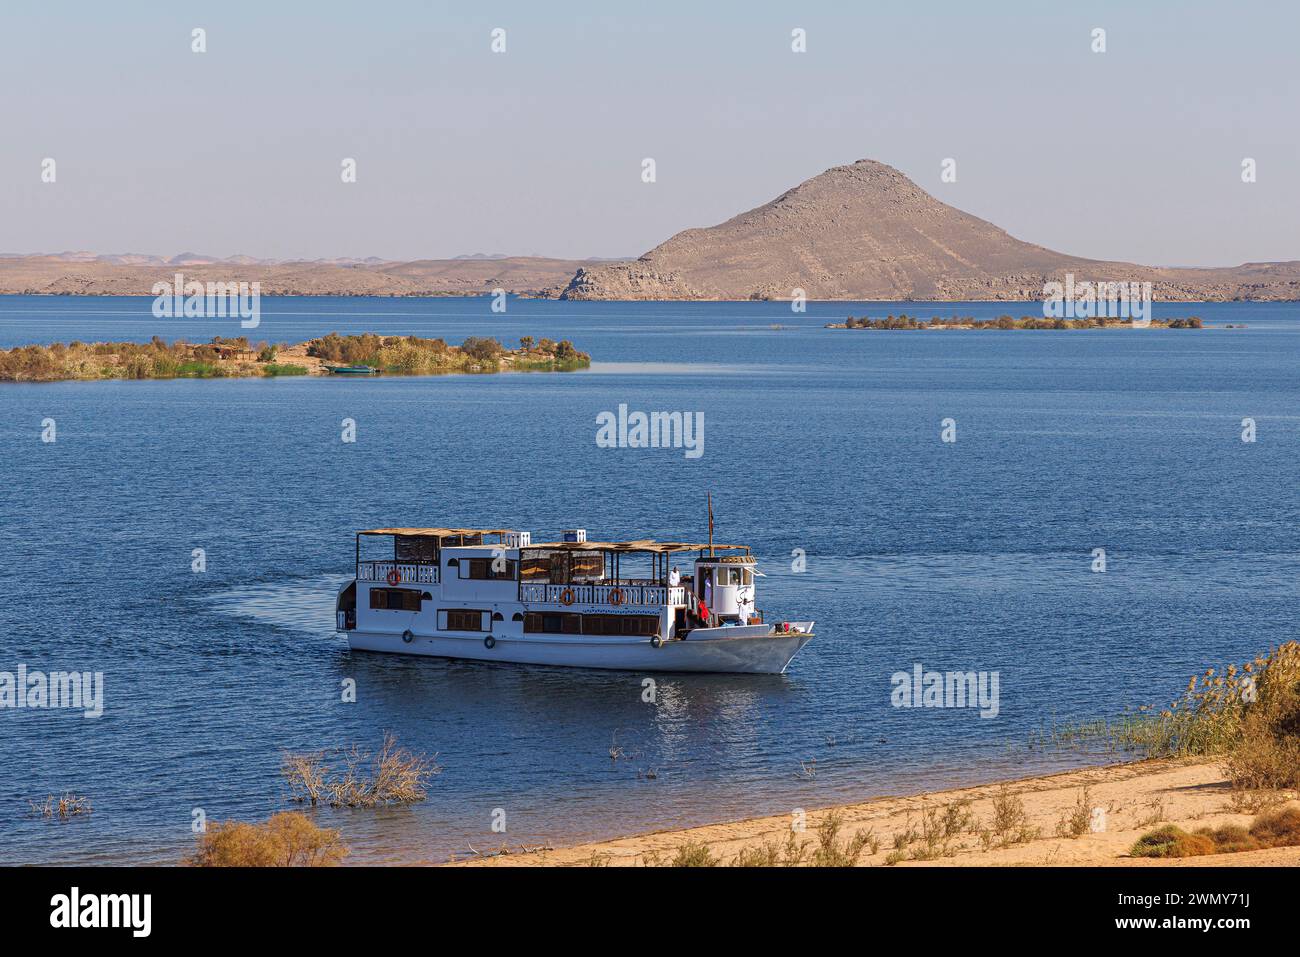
<point x="1130" y="154"/>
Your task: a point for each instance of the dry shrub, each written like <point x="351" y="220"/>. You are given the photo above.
<point x="767" y="854"/>
<point x="1230" y="838"/>
<point x="65" y="807"/>
<point x="288" y="839"/>
<point x="1267" y="754"/>
<point x="1277" y="828"/>
<point x="1076" y="821"/>
<point x="1249" y="713"/>
<point x="694" y="854"/>
<point x="392" y="775"/>
<point x="1010" y="821"/>
<point x="830" y="850"/>
<point x="772" y="854"/>
<point x="1008" y="812"/>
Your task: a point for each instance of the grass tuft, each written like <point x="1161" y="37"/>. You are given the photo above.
<point x="1280" y="828"/>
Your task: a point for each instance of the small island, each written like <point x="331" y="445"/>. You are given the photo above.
<point x="238" y="358"/>
<point x="1007" y="322"/>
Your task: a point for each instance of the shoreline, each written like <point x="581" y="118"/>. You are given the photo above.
<point x="1134" y="797"/>
<point x="541" y="294"/>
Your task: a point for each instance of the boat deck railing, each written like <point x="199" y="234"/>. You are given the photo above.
<point x="629" y="593"/>
<point x="417" y="573"/>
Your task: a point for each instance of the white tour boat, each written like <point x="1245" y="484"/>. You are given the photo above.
<point x="492" y="595"/>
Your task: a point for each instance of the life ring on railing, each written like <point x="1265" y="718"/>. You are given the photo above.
<point x="566" y="597"/>
<point x="394" y="577"/>
<point x="616" y="597"/>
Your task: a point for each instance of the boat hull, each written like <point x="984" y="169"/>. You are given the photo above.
<point x="769" y="654"/>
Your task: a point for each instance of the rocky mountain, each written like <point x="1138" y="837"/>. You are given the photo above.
<point x="866" y="231"/>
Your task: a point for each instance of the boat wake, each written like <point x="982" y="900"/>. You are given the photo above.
<point x="306" y="605"/>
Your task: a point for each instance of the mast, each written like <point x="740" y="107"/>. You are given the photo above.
<point x="710" y="495"/>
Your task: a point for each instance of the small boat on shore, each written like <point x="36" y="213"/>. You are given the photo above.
<point x="352" y="370"/>
<point x="493" y="595"/>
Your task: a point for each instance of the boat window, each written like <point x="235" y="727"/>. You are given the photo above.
<point x="412" y="548"/>
<point x="461" y="619"/>
<point x="535" y="569"/>
<point x="619" y="624"/>
<point x="395" y="599"/>
<point x="482" y="569"/>
<point x="587" y="566"/>
<point x="552" y="623"/>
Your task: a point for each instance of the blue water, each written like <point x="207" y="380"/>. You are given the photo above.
<point x="972" y="555"/>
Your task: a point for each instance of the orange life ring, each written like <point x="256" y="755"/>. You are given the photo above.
<point x="394" y="577"/>
<point x="566" y="597"/>
<point x="616" y="597"/>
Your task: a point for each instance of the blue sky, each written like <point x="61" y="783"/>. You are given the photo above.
<point x="1132" y="154"/>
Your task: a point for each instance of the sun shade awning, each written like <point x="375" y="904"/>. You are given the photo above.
<point x="642" y="545"/>
<point x="439" y="532"/>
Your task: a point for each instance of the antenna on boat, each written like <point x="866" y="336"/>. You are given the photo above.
<point x="710" y="495"/>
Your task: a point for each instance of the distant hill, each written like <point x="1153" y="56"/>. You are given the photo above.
<point x="88" y="274"/>
<point x="866" y="231"/>
<point x="863" y="231"/>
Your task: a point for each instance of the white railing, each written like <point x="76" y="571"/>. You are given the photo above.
<point x="416" y="573"/>
<point x="604" y="594"/>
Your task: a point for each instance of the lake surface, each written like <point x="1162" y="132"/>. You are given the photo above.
<point x="973" y="555"/>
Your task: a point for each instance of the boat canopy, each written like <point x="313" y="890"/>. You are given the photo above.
<point x="641" y="545"/>
<point x="436" y="532"/>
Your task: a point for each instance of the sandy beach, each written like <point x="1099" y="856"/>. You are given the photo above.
<point x="1132" y="799"/>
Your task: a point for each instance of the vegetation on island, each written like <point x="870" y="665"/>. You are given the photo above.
<point x="237" y="357"/>
<point x="410" y="355"/>
<point x="1006" y="322"/>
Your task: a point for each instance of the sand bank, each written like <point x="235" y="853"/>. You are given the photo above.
<point x="1133" y="798"/>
